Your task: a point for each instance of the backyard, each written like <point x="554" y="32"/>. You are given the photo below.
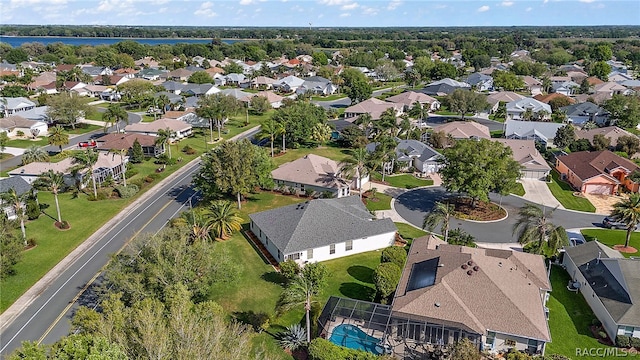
<point x="377" y="202"/>
<point x="612" y="238"/>
<point x="564" y="193"/>
<point x="569" y="319"/>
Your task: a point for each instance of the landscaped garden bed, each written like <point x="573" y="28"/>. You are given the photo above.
<point x="482" y="211"/>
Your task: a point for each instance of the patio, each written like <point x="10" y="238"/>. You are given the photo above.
<point x="604" y="203"/>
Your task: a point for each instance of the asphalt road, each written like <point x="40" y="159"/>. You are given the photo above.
<point x="73" y="143"/>
<point x="47" y="318"/>
<point x="415" y="204"/>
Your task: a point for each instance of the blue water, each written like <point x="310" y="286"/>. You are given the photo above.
<point x="352" y="337"/>
<point x="16" y="41"/>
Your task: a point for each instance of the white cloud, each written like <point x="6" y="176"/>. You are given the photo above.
<point x="205" y="10"/>
<point x="394" y="4"/>
<point x="507" y="3"/>
<point x="528" y="9"/>
<point x="320" y="16"/>
<point x="440" y="6"/>
<point x="349" y="6"/>
<point x="335" y="2"/>
<point x="545" y="1"/>
<point x="586" y="1"/>
<point x="369" y="10"/>
<point x="158" y="2"/>
<point x="345" y="15"/>
<point x="483" y="8"/>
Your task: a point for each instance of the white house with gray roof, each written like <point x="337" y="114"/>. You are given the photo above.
<point x="20" y="186"/>
<point x="413" y="153"/>
<point x="542" y="132"/>
<point x="517" y="108"/>
<point x="321" y="229"/>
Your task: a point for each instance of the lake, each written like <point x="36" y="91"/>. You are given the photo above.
<point x="16" y="41"/>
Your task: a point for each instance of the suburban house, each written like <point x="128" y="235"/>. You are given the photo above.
<point x="374" y="107"/>
<point x="179" y="74"/>
<point x="579" y="114"/>
<point x="566" y="88"/>
<point x="412" y="153"/>
<point x="199" y="90"/>
<point x="541" y="132"/>
<point x="274" y="99"/>
<point x="534" y="166"/>
<point x="238" y="94"/>
<point x="38" y="113"/>
<point x="613" y="133"/>
<point x="20" y="186"/>
<point x="532" y="84"/>
<point x="173" y="87"/>
<point x="611" y="88"/>
<point x="14" y="125"/>
<point x="444" y="87"/>
<point x="549" y="97"/>
<point x="597" y="172"/>
<point x="496" y="298"/>
<point x="516" y="109"/>
<point x="495" y="99"/>
<point x="106" y="166"/>
<point x="288" y="84"/>
<point x="11" y="106"/>
<point x="609" y="283"/>
<point x="313" y="172"/>
<point x="464" y="130"/>
<point x="480" y="82"/>
<point x="120" y="141"/>
<point x="317" y="85"/>
<point x="179" y="129"/>
<point x="409" y="98"/>
<point x="321" y="229"/>
<point x="262" y="82"/>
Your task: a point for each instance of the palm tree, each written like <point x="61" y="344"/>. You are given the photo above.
<point x="122" y="153"/>
<point x="282" y="130"/>
<point x="224" y="219"/>
<point x="199" y="223"/>
<point x="113" y="115"/>
<point x="34" y="153"/>
<point x="268" y="130"/>
<point x="53" y="181"/>
<point x="164" y="136"/>
<point x="163" y="101"/>
<point x="385" y="154"/>
<point x="533" y="226"/>
<point x="441" y="213"/>
<point x="17" y="204"/>
<point x="301" y="290"/>
<point x="357" y="164"/>
<point x="217" y="108"/>
<point x="58" y="137"/>
<point x="628" y="212"/>
<point x="86" y="160"/>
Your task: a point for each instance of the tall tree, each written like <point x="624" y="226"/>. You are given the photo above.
<point x="10" y="247"/>
<point x="86" y="160"/>
<point x="217" y="108"/>
<point x="565" y="136"/>
<point x="268" y="130"/>
<point x="66" y="110"/>
<point x="356" y="85"/>
<point x="224" y="219"/>
<point x="4" y="139"/>
<point x="34" y="153"/>
<point x="199" y="223"/>
<point x="122" y="153"/>
<point x="628" y="212"/>
<point x="234" y="168"/>
<point x="58" y="137"/>
<point x="624" y="110"/>
<point x="477" y="167"/>
<point x="54" y="182"/>
<point x="465" y="101"/>
<point x="164" y="138"/>
<point x="113" y="116"/>
<point x="440" y="214"/>
<point x="302" y="290"/>
<point x="298" y="120"/>
<point x="17" y="203"/>
<point x="533" y="227"/>
<point x="357" y="164"/>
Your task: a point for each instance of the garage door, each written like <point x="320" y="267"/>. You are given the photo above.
<point x="599" y="189"/>
<point x="531" y="174"/>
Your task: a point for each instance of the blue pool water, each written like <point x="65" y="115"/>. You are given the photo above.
<point x="352" y="337"/>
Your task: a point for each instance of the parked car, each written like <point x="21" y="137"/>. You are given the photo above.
<point x="575" y="242"/>
<point x="612" y="223"/>
<point x="87" y="144"/>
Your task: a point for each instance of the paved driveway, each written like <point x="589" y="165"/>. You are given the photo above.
<point x="538" y="192"/>
<point x="415" y="204"/>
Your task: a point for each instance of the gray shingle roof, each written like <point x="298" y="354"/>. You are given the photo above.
<point x="320" y="222"/>
<point x="17" y="183"/>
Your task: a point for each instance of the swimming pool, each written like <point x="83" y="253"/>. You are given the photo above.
<point x="352" y="337"/>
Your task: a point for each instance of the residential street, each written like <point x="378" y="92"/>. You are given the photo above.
<point x="44" y="312"/>
<point x="413" y="205"/>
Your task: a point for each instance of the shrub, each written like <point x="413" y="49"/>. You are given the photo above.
<point x="458" y="236"/>
<point x="596" y="322"/>
<point x="293" y="337"/>
<point x="149" y="179"/>
<point x="188" y="150"/>
<point x="102" y="195"/>
<point x="321" y="349"/>
<point x="622" y="341"/>
<point x="126" y="192"/>
<point x="33" y="209"/>
<point x="386" y="278"/>
<point x="20" y="133"/>
<point x="136" y="182"/>
<point x="602" y="334"/>
<point x="309" y="192"/>
<point x="634" y="342"/>
<point x="289" y="269"/>
<point x="32" y="242"/>
<point x="394" y="254"/>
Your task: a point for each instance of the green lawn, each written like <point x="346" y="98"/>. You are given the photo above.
<point x="94" y="115"/>
<point x="564" y="193"/>
<point x="328" y="97"/>
<point x="518" y="190"/>
<point x="409" y="232"/>
<point x="404" y="181"/>
<point x="569" y="318"/>
<point x="82" y="129"/>
<point x="380" y="202"/>
<point x="25" y="143"/>
<point x="497" y="134"/>
<point x="613" y="237"/>
<point x="352" y="277"/>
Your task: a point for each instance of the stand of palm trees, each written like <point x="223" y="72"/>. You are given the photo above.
<point x="17" y="204"/>
<point x="533" y="227"/>
<point x="628" y="212"/>
<point x="113" y="116"/>
<point x="86" y="160"/>
<point x="441" y="213"/>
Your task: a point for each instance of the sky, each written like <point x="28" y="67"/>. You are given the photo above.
<point x="321" y="13"/>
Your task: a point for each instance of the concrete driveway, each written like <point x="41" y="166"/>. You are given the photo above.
<point x="413" y="205"/>
<point x="604" y="203"/>
<point x="538" y="192"/>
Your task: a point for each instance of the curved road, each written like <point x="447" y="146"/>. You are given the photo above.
<point x="413" y="205"/>
<point x="47" y="318"/>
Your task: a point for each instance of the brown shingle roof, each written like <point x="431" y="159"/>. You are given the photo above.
<point x="587" y="164"/>
<point x="124" y="141"/>
<point x="502" y="295"/>
<point x="611" y="132"/>
<point x="464" y="130"/>
<point x="547" y="98"/>
<point x="311" y="170"/>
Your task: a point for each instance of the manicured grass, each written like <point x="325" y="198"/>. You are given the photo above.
<point x="409" y="232"/>
<point x="328" y="97"/>
<point x="82" y="129"/>
<point x="564" y="193"/>
<point x="380" y="202"/>
<point x="518" y="190"/>
<point x="613" y="237"/>
<point x="569" y="318"/>
<point x="334" y="153"/>
<point x="352" y="277"/>
<point x="404" y="181"/>
<point x="94" y="115"/>
<point x="5" y="156"/>
<point x="25" y="143"/>
<point x="497" y="134"/>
